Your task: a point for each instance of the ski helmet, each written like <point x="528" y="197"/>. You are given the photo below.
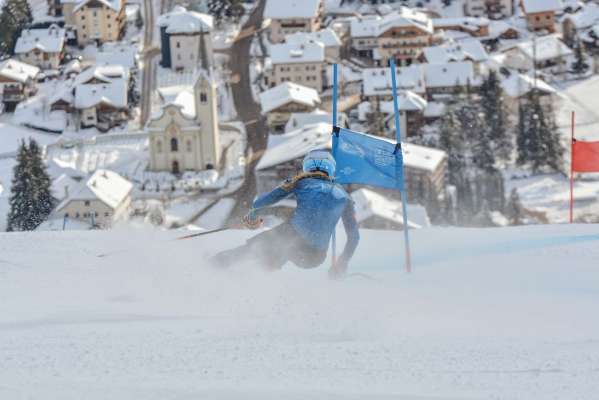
<point x="320" y="160"/>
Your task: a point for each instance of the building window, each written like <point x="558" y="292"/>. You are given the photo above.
<point x="188" y="144"/>
<point x="109" y="26"/>
<point x="82" y="17"/>
<point x="86" y="203"/>
<point x="203" y="97"/>
<point x="159" y="146"/>
<point x="174" y="145"/>
<point x="107" y="214"/>
<point x="178" y="45"/>
<point x="77" y="215"/>
<point x="95" y="13"/>
<point x="179" y="57"/>
<point x="83" y="27"/>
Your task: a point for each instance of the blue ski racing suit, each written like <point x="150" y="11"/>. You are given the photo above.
<point x="305" y="237"/>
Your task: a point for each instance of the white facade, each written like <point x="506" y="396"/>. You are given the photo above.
<point x="41" y="47"/>
<point x="186" y="136"/>
<point x="186" y="51"/>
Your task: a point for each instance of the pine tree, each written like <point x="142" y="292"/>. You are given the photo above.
<point x="579" y="66"/>
<point x="15" y="15"/>
<point x="522" y="134"/>
<point x="495" y="116"/>
<point x="30" y="200"/>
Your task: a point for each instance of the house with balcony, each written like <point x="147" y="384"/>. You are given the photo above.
<point x="494" y="9"/>
<point x="43" y="47"/>
<point x="472" y="26"/>
<point x="17" y="82"/>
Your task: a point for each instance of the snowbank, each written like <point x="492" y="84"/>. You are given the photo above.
<point x="488" y="313"/>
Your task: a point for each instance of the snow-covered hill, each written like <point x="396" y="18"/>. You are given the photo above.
<point x="487" y="314"/>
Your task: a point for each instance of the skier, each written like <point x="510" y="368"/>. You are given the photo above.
<point x="304" y="238"/>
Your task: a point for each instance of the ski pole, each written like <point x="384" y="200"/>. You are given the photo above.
<point x="175" y="239"/>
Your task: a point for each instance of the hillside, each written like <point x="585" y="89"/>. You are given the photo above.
<point x="487" y="314"/>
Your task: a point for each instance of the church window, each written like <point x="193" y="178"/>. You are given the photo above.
<point x="174" y="145"/>
<point x="203" y="97"/>
<point x="189" y="145"/>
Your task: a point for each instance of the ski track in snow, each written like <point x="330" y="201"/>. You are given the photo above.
<point x="487" y="314"/>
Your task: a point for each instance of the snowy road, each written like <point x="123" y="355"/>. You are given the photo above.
<point x="488" y="314"/>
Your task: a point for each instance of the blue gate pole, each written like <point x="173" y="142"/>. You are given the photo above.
<point x="399" y="169"/>
<point x="334" y="100"/>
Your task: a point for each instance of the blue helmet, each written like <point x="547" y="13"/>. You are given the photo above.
<point x="320" y="160"/>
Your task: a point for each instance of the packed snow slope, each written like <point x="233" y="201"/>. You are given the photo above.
<point x="487" y="314"/>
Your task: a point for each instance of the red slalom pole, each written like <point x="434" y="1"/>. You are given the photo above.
<point x="572" y="169"/>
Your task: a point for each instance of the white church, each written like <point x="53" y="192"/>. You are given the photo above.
<point x="184" y="136"/>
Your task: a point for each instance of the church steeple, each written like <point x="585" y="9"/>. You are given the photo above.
<point x="206" y="107"/>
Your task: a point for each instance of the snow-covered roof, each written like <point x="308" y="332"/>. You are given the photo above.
<point x="467" y="23"/>
<point x="539" y="6"/>
<point x="113" y="4"/>
<point x="180" y="95"/>
<point x="586" y="17"/>
<point x="50" y="40"/>
<point x="547" y="48"/>
<point x="406" y="101"/>
<point x="298" y="120"/>
<point x="518" y="85"/>
<point x="328" y="37"/>
<point x="17" y="70"/>
<point x="420" y="157"/>
<point x="104" y="185"/>
<point x="369" y="203"/>
<point x="451" y="51"/>
<point x="288" y="9"/>
<point x="288" y="53"/>
<point x="405" y="17"/>
<point x="449" y="74"/>
<point x="377" y="81"/>
<point x="285" y="93"/>
<point x="62" y="186"/>
<point x="117" y="53"/>
<point x="365" y="26"/>
<point x="296" y="144"/>
<point x="180" y="20"/>
<point x="107" y="84"/>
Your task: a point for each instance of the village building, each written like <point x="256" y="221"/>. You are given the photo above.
<point x="302" y="64"/>
<point x="186" y="39"/>
<point x="541" y="14"/>
<point x="411" y="109"/>
<point x="518" y="86"/>
<point x="377" y="211"/>
<point x="293" y="16"/>
<point x="495" y="9"/>
<point x="472" y="26"/>
<point x="402" y="36"/>
<point x="17" y="82"/>
<point x="42" y="47"/>
<point x="280" y="102"/>
<point x="364" y="35"/>
<point x="98" y="97"/>
<point x="112" y="53"/>
<point x="95" y="21"/>
<point x="100" y="201"/>
<point x="443" y="79"/>
<point x="328" y="37"/>
<point x="377" y="84"/>
<point x="184" y="136"/>
<point x="466" y="50"/>
<point x="546" y="52"/>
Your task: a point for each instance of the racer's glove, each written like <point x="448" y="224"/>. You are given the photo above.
<point x="252" y="221"/>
